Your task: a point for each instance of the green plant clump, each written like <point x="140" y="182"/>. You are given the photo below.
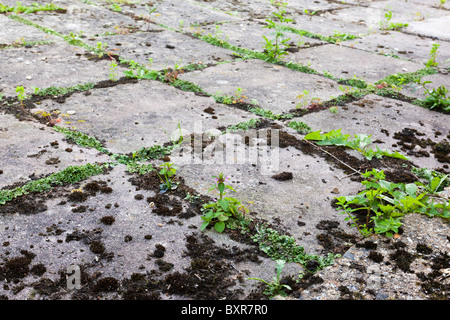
<point x="385" y="203"/>
<point x="360" y="143"/>
<point x="69" y="175"/>
<point x="220" y="211"/>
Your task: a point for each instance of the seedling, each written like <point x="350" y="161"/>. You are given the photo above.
<point x="149" y="18"/>
<point x="21" y="96"/>
<point x="387" y="25"/>
<point x="276" y="47"/>
<point x="166" y="173"/>
<point x="275" y="287"/>
<point x="113" y="70"/>
<point x="52" y="118"/>
<point x="300" y="127"/>
<point x="219" y="211"/>
<point x="433" y="54"/>
<point x="436" y="98"/>
<point x="385" y="203"/>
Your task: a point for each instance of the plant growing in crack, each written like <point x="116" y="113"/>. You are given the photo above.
<point x="276" y="47"/>
<point x="220" y="211"/>
<point x="388" y="25"/>
<point x="53" y="118"/>
<point x="113" y="70"/>
<point x="433" y="55"/>
<point x="166" y="173"/>
<point x="21" y="97"/>
<point x="275" y="287"/>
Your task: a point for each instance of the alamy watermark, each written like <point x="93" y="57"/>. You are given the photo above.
<point x="256" y="147"/>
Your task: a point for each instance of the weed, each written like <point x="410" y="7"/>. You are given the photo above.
<point x="387" y="25"/>
<point x="270" y="115"/>
<point x="21" y="96"/>
<point x="276" y="47"/>
<point x="52" y="118"/>
<point x="220" y="211"/>
<point x="275" y="287"/>
<point x="171" y="75"/>
<point x="433" y="54"/>
<point x="166" y="173"/>
<point x="252" y="123"/>
<point x="437" y="98"/>
<point x="283" y="247"/>
<point x="71" y="174"/>
<point x="113" y="70"/>
<point x="300" y="127"/>
<point x="359" y="143"/>
<point x="385" y="203"/>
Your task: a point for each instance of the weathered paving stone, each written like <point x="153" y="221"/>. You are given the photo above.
<point x="433" y="27"/>
<point x="304" y="198"/>
<point x="345" y="62"/>
<point x="417" y="90"/>
<point x="31" y="149"/>
<point x="84" y="20"/>
<point x="165" y="48"/>
<point x="156" y="110"/>
<point x="382" y="118"/>
<point x="179" y="14"/>
<point x="274" y="87"/>
<point x="250" y="35"/>
<point x="14" y="32"/>
<point x="405" y="46"/>
<point x="327" y="25"/>
<point x="57" y="64"/>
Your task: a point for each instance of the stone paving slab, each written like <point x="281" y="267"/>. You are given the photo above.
<point x="13" y="32"/>
<point x="346" y="62"/>
<point x="417" y="90"/>
<point x="85" y="20"/>
<point x="327" y="24"/>
<point x="249" y="35"/>
<point x="166" y="49"/>
<point x="278" y="92"/>
<point x="405" y="46"/>
<point x="157" y="111"/>
<point x="433" y="27"/>
<point x="382" y="118"/>
<point x="314" y="183"/>
<point x="30" y="149"/>
<point x="43" y="66"/>
<point x="179" y="14"/>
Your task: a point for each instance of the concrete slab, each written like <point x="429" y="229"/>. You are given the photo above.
<point x="57" y="64"/>
<point x="433" y="28"/>
<point x="274" y="87"/>
<point x="346" y="62"/>
<point x="179" y="14"/>
<point x="383" y="118"/>
<point x="85" y="20"/>
<point x="250" y="35"/>
<point x="14" y="32"/>
<point x="405" y="46"/>
<point x="166" y="48"/>
<point x="305" y="198"/>
<point x="31" y="149"/>
<point x="417" y="91"/>
<point x="131" y="116"/>
<point x="327" y="24"/>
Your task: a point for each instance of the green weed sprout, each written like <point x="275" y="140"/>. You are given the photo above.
<point x="21" y="96"/>
<point x="276" y="48"/>
<point x="219" y="211"/>
<point x="275" y="287"/>
<point x="166" y="173"/>
<point x="433" y="54"/>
